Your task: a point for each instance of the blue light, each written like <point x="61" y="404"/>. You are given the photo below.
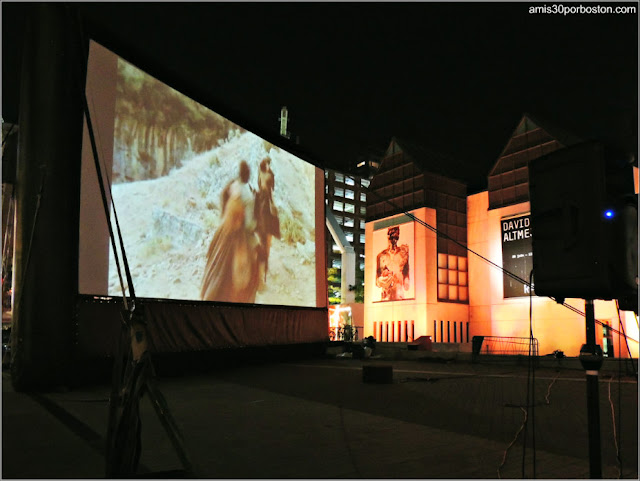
<point x="608" y="214"/>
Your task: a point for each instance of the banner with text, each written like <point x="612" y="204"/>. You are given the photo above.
<point x="517" y="254"/>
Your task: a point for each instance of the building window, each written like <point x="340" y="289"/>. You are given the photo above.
<point x="335" y="248"/>
<point x="363" y="197"/>
<point x="326" y="174"/>
<point x="326" y="189"/>
<point x="348" y="221"/>
<point x="336" y="263"/>
<point x="337" y="205"/>
<point x="349" y="194"/>
<point x="349" y="181"/>
<point x="453" y="280"/>
<point x="364" y="183"/>
<point x="362" y="266"/>
<point x="363" y="210"/>
<point x="361" y="238"/>
<point x="339" y="177"/>
<point x="362" y="224"/>
<point x="338" y="191"/>
<point x="349" y="208"/>
<point x="339" y="219"/>
<point x="349" y="236"/>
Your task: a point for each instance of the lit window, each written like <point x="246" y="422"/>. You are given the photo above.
<point x="363" y="197"/>
<point x="339" y="219"/>
<point x="339" y="206"/>
<point x="361" y="238"/>
<point x="349" y="194"/>
<point x="349" y="181"/>
<point x="339" y="177"/>
<point x="336" y="263"/>
<point x="365" y="183"/>
<point x="362" y="266"/>
<point x="452" y="278"/>
<point x="361" y="256"/>
<point x="348" y="222"/>
<point x="363" y="210"/>
<point x="338" y="191"/>
<point x="349" y="208"/>
<point x="349" y="236"/>
<point x="335" y="248"/>
<point x="326" y="174"/>
<point x="362" y="224"/>
<point x="326" y="189"/>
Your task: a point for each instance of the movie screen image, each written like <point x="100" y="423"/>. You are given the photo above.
<point x="208" y="210"/>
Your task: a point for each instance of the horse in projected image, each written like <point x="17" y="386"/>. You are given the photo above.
<point x="237" y="258"/>
<point x="266" y="215"/>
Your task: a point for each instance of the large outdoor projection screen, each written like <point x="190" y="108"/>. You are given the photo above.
<point x="208" y="210"/>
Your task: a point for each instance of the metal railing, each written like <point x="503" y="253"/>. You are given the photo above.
<point x="345" y="333"/>
<point x="504" y="346"/>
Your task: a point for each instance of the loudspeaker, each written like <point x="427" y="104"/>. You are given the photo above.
<point x="584" y="223"/>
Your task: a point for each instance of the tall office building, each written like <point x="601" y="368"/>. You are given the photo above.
<point x="346" y="199"/>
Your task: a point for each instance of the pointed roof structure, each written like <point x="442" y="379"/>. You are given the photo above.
<point x="429" y="160"/>
<point x="411" y="176"/>
<point x="532" y="138"/>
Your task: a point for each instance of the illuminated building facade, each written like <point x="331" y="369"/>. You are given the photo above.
<point x="423" y="283"/>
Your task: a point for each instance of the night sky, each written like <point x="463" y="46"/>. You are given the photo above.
<point x="455" y="77"/>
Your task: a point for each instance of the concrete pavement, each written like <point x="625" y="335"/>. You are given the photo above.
<point x="315" y="418"/>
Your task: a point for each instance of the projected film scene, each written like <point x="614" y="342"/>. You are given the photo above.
<point x="394" y="249"/>
<point x="208" y="210"/>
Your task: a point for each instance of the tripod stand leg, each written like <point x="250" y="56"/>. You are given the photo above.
<point x="168" y="422"/>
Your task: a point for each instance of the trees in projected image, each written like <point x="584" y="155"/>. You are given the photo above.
<point x="172" y="161"/>
<point x="157" y="128"/>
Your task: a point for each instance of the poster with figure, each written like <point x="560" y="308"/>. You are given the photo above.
<point x="393" y="246"/>
<point x="517" y="254"/>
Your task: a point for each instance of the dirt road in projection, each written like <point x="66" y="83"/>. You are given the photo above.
<point x="167" y="224"/>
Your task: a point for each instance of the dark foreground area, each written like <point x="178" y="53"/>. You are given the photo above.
<point x="316" y="418"/>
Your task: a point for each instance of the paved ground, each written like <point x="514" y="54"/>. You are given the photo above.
<point x="317" y="419"/>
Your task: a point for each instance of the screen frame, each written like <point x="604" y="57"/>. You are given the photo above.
<point x="96" y="240"/>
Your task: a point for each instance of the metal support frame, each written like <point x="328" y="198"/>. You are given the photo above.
<point x="591" y="359"/>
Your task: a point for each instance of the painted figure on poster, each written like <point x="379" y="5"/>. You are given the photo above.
<point x="392" y="273"/>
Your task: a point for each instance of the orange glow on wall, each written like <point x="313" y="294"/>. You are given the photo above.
<point x="555" y="326"/>
<point x="440" y="277"/>
<point x="416" y="314"/>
